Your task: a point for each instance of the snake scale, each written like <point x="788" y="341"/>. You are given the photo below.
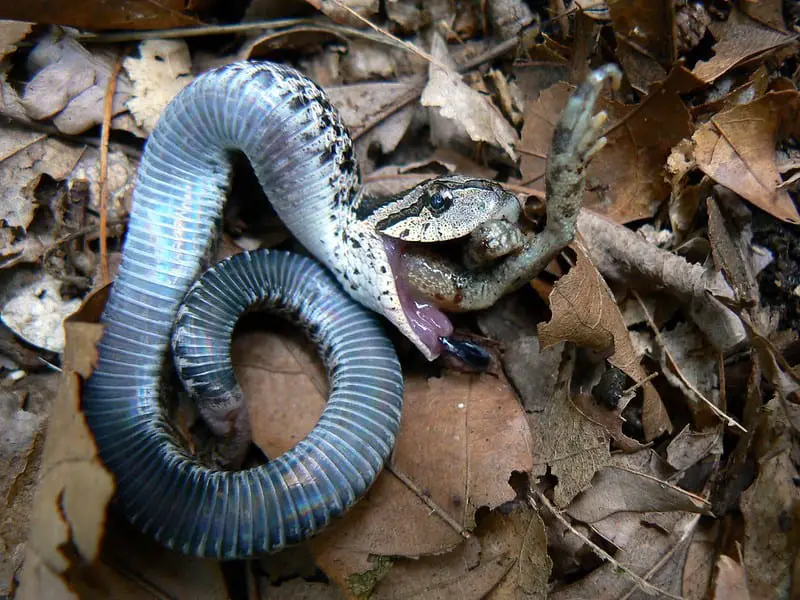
<point x="303" y="157"/>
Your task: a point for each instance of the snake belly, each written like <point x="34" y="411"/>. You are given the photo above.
<point x="295" y="142"/>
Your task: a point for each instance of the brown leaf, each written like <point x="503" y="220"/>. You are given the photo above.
<point x="74" y="487"/>
<point x="74" y="549"/>
<point x="162" y="69"/>
<point x="460" y="439"/>
<point x="646" y="31"/>
<point x="610" y="419"/>
<point x="24" y="406"/>
<point x="621" y="490"/>
<point x="457" y="102"/>
<point x="568" y="445"/>
<point x="585" y="313"/>
<point x="737" y="149"/>
<point x="99" y="15"/>
<point x="360" y="105"/>
<point x="12" y="32"/>
<point x="690" y="447"/>
<point x="70" y="84"/>
<point x="769" y="507"/>
<point x="624" y="180"/>
<point x="512" y="563"/>
<point x="731" y="580"/>
<point x="739" y="39"/>
<point x="25" y="158"/>
<point x="653" y="545"/>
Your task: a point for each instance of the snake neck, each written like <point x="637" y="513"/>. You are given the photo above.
<point x="303" y="157"/>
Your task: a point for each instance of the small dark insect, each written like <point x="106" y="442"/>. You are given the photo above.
<point x="468" y="352"/>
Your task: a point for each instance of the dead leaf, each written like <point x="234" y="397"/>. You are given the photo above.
<point x="624" y="181"/>
<point x="12" y="32"/>
<point x="645" y="31"/>
<point x="99" y="15"/>
<point x="162" y="69"/>
<point x="74" y="488"/>
<point x="25" y="158"/>
<point x="739" y="39"/>
<point x="689" y="447"/>
<point x="457" y="102"/>
<point x="653" y="545"/>
<point x="737" y="149"/>
<point x="622" y="490"/>
<point x="586" y="313"/>
<point x="70" y="83"/>
<point x="36" y="312"/>
<point x="697" y="364"/>
<point x="731" y="238"/>
<point x="568" y="445"/>
<point x="731" y="580"/>
<point x="24" y="406"/>
<point x="700" y="562"/>
<point x="460" y="439"/>
<point x="610" y="419"/>
<point x="512" y="563"/>
<point x="625" y="258"/>
<point x="359" y="106"/>
<point x="769" y="508"/>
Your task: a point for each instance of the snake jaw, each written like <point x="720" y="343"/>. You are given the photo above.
<point x="422" y="321"/>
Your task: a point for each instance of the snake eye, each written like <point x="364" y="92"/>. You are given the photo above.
<point x="438" y="203"/>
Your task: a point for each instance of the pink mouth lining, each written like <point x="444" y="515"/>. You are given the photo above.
<point x="426" y="320"/>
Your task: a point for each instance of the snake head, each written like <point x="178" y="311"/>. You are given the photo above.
<point x="446" y="208"/>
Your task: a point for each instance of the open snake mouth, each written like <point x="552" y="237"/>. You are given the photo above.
<point x="427" y="321"/>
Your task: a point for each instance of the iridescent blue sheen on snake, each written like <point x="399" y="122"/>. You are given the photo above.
<point x="303" y="158"/>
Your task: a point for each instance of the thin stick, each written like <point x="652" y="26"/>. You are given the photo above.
<point x="730" y="421"/>
<point x="645" y="586"/>
<point x="435" y="508"/>
<point x="413" y="48"/>
<point x="108" y="109"/>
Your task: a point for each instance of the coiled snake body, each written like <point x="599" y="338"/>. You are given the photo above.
<point x="304" y="160"/>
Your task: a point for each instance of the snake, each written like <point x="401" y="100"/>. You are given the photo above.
<point x="166" y="301"/>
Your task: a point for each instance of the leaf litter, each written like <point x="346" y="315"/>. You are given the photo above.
<point x="679" y="479"/>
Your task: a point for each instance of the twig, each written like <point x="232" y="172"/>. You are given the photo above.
<point x="639" y="384"/>
<point x="730" y="421"/>
<point x="410" y="96"/>
<point x="244" y="52"/>
<point x="184" y="32"/>
<point x="53" y="131"/>
<point x="413" y="48"/>
<point x="644" y="585"/>
<point x="108" y="109"/>
<point x="435" y="508"/>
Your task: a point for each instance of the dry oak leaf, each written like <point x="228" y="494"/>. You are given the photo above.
<point x="99" y="14"/>
<point x="769" y="507"/>
<point x="511" y="562"/>
<point x="740" y="38"/>
<point x="460" y="439"/>
<point x="736" y="148"/>
<point x="655" y="546"/>
<point x="568" y="445"/>
<point x="162" y="69"/>
<point x="69" y="509"/>
<point x="12" y="32"/>
<point x="625" y="181"/>
<point x="456" y="101"/>
<point x="586" y="313"/>
<point x="70" y="84"/>
<point x="617" y="489"/>
<point x="647" y="31"/>
<point x="731" y="580"/>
